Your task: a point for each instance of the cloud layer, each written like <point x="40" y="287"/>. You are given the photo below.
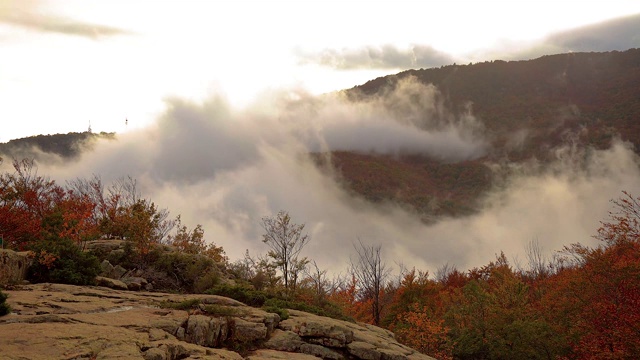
<point x="616" y="34"/>
<point x="27" y="14"/>
<point x="377" y="57"/>
<point x="226" y="169"/>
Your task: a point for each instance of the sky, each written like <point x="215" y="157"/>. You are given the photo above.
<point x="224" y="101"/>
<point x="67" y="65"/>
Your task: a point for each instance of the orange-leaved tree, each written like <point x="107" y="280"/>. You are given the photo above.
<point x="606" y="289"/>
<point x="193" y="242"/>
<point x="420" y="329"/>
<point x="33" y="207"/>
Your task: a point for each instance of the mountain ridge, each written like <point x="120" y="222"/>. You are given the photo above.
<point x="529" y="109"/>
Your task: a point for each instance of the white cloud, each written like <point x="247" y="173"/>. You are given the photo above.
<point x="226" y="169"/>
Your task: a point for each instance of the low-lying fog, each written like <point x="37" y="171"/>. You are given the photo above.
<point x="226" y="169"/>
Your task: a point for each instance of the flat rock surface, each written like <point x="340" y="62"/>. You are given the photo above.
<point x="54" y="321"/>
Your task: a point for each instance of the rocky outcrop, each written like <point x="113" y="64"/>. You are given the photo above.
<point x="52" y="321"/>
<point x="13" y="266"/>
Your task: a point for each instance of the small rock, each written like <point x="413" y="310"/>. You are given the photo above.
<point x="364" y="351"/>
<point x="388" y="354"/>
<point x="111" y="283"/>
<point x="170" y="326"/>
<point x="133" y="286"/>
<point x="118" y="271"/>
<point x="205" y="331"/>
<point x="155" y="354"/>
<point x="246" y="331"/>
<point x="284" y="341"/>
<point x="106" y="267"/>
<point x="320" y="351"/>
<point x="135" y="283"/>
<point x="279" y="355"/>
<point x="157" y="334"/>
<point x="180" y="333"/>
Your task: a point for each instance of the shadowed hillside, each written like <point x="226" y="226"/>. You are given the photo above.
<point x="596" y="94"/>
<point x="529" y="110"/>
<point x="66" y="145"/>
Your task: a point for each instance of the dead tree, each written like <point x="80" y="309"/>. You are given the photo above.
<point x="371" y="274"/>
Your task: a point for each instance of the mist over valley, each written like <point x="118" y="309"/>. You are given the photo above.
<point x="448" y="165"/>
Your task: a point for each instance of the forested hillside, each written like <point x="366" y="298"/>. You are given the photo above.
<point x="595" y="93"/>
<point x="581" y="303"/>
<point x="528" y="110"/>
<point x="66" y="145"/>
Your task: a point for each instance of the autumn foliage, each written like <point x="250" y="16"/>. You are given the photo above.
<point x="34" y="207"/>
<point x="582" y="304"/>
<point x="54" y="222"/>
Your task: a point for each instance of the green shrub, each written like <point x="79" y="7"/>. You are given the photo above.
<point x="127" y="258"/>
<point x="273" y="303"/>
<point x="219" y="310"/>
<point x="4" y="307"/>
<point x="207" y="281"/>
<point x="243" y="294"/>
<point x="193" y="273"/>
<point x="183" y="305"/>
<point x="283" y="313"/>
<point x="328" y="309"/>
<point x="61" y="261"/>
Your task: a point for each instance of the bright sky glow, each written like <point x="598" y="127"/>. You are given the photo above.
<point x="67" y="64"/>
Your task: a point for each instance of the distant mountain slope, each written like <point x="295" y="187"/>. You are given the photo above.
<point x="528" y="108"/>
<point x="65" y="145"/>
<point x="548" y="97"/>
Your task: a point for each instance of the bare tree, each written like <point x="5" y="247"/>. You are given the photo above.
<point x="286" y="239"/>
<point x="538" y="264"/>
<point x="371" y="274"/>
<point x="443" y="272"/>
<point x="125" y="191"/>
<point x="319" y="280"/>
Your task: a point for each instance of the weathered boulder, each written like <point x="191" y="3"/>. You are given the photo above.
<point x="135" y="283"/>
<point x="248" y="331"/>
<point x="319" y="330"/>
<point x="113" y="272"/>
<point x="13" y="266"/>
<point x="284" y="340"/>
<point x="265" y="354"/>
<point x="320" y="351"/>
<point x="364" y="351"/>
<point x="105" y="246"/>
<point x="118" y="272"/>
<point x="111" y="283"/>
<point x="206" y="331"/>
<point x="106" y="269"/>
<point x="359" y="341"/>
